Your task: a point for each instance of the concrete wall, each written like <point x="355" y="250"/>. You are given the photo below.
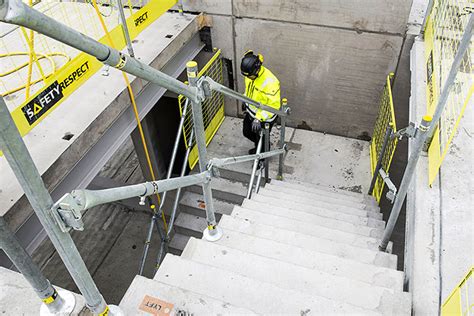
<point x="331" y="56"/>
<point x="440" y="239"/>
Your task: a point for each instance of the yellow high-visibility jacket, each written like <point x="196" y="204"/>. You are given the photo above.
<point x="266" y="90"/>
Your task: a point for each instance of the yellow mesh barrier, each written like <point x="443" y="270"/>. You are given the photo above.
<point x="37" y="73"/>
<point x="461" y="301"/>
<point x="445" y="27"/>
<point x="385" y="119"/>
<point x="212" y="108"/>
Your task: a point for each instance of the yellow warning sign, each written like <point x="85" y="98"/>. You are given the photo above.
<point x="155" y="306"/>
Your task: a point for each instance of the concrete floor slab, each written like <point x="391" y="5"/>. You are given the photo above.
<point x="328" y="160"/>
<point x="17" y="297"/>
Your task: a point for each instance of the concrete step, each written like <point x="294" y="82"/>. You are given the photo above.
<point x="295" y="206"/>
<point x="315" y="200"/>
<point x="257" y="296"/>
<point x="295" y="238"/>
<point x="327" y="191"/>
<point x="294" y="277"/>
<point x="238" y="172"/>
<point x="177" y="243"/>
<point x="224" y="189"/>
<point x="190" y="225"/>
<point x="306" y="228"/>
<point x="193" y="203"/>
<point x="322" y="197"/>
<point x="325" y="188"/>
<point x="329" y="263"/>
<point x="290" y="199"/>
<point x="184" y="301"/>
<point x="333" y="223"/>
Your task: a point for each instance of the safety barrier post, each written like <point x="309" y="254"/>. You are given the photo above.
<point x="425" y="132"/>
<point x="282" y="139"/>
<point x="23" y="167"/>
<point x="212" y="232"/>
<point x="388" y="134"/>
<point x="180" y="7"/>
<point x="54" y="302"/>
<point x="267" y="149"/>
<point x="418" y="143"/>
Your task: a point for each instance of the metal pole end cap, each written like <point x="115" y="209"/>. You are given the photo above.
<point x="427" y="118"/>
<point x="63" y="305"/>
<point x="213" y="234"/>
<point x="191" y="64"/>
<point x="114" y="310"/>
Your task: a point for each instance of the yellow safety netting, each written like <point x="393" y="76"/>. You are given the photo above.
<point x="37" y="73"/>
<point x="459" y="302"/>
<point x="444" y="29"/>
<point x="212" y="108"/>
<point x="385" y="119"/>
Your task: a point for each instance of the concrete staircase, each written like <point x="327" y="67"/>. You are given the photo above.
<point x="294" y="248"/>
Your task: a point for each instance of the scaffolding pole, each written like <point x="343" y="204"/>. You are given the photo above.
<point x="23" y="167"/>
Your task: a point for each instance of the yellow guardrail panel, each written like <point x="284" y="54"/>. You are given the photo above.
<point x="444" y="28"/>
<point x="61" y="82"/>
<point x="212" y="108"/>
<point x="385" y="119"/>
<point x="461" y="301"/>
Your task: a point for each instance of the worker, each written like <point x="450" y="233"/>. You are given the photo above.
<point x="262" y="86"/>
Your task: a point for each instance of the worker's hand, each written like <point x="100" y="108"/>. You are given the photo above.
<point x="243" y="107"/>
<point x="256" y="126"/>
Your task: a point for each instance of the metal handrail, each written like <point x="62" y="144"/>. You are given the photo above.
<point x="424" y="132"/>
<point x="66" y="214"/>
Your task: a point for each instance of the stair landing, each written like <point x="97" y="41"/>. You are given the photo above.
<point x="313" y="157"/>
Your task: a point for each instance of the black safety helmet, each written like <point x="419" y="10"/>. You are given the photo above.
<point x="250" y="65"/>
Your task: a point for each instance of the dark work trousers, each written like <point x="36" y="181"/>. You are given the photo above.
<point x="251" y="135"/>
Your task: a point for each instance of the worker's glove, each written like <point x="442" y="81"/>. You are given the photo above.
<point x="256" y="126"/>
<point x="244" y="107"/>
